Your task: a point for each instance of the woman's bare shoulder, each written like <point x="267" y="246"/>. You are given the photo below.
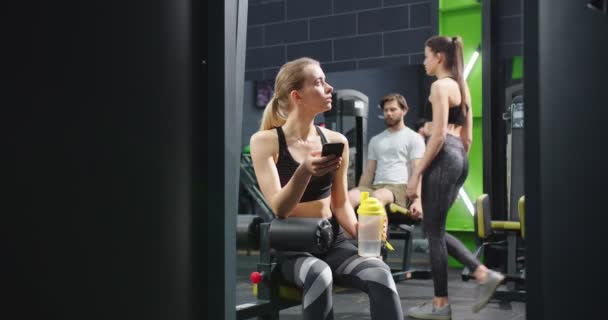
<point x="263" y="136"/>
<point x="443" y="84"/>
<point x="334" y="136"/>
<point x="266" y="140"/>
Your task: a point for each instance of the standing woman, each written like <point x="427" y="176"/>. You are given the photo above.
<point x="442" y="172"/>
<point x="298" y="182"/>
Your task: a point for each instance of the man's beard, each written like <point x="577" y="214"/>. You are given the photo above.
<point x="391" y="123"/>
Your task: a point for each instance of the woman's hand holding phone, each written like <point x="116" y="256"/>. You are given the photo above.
<point x="318" y="165"/>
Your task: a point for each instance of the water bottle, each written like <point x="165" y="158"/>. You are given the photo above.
<point x="371" y="224"/>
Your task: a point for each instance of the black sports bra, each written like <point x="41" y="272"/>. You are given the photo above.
<point x="455" y="114"/>
<point x="319" y="187"/>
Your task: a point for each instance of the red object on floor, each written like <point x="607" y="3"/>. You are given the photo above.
<point x="256" y="277"/>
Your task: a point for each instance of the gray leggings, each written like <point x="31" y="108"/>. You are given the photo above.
<point x="440" y="184"/>
<point x="315" y="274"/>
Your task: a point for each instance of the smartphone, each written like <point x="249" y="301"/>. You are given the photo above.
<point x="333" y="148"/>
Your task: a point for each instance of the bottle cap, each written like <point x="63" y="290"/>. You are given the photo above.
<point x="370" y="206"/>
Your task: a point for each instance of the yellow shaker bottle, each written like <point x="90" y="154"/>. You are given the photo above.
<point x="371" y="224"/>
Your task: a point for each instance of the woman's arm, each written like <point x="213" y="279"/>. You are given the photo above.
<point x="281" y="200"/>
<point x="341" y="207"/>
<point x="439" y="99"/>
<point x="439" y="128"/>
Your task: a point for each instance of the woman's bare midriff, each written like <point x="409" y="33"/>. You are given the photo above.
<point x="454" y="130"/>
<point x="313" y="209"/>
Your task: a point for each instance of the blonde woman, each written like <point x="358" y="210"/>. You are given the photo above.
<point x="298" y="182"/>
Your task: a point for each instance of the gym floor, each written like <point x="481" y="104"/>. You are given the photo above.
<point x="354" y="304"/>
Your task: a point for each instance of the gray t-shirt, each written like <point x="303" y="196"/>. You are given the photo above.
<point x="393" y="152"/>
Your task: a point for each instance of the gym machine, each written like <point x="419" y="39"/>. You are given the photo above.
<point x="515" y="270"/>
<point x="348" y="115"/>
<point x="513" y="228"/>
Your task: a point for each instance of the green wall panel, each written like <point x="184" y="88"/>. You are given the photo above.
<point x="518" y="68"/>
<point x="466" y="22"/>
<point x="463" y="18"/>
<point x="446" y="5"/>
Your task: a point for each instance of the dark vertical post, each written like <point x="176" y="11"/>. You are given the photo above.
<point x="211" y="215"/>
<point x="97" y="217"/>
<point x="534" y="261"/>
<point x="494" y="134"/>
<point x="226" y="64"/>
<point x="565" y="99"/>
<point x="231" y="150"/>
<point x="177" y="90"/>
<point x="486" y="53"/>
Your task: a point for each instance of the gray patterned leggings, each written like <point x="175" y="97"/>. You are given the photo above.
<point x="440" y="184"/>
<point x="315" y="274"/>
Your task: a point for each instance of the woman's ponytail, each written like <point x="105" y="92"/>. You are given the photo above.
<point x="272" y="116"/>
<point x="458" y="70"/>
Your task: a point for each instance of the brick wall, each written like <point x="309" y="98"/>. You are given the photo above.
<point x="342" y="34"/>
<point x="510" y="28"/>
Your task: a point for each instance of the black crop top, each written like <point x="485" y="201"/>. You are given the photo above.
<point x="318" y="187"/>
<point x="455" y="114"/>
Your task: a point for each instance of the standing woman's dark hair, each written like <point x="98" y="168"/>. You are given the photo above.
<point x="451" y="47"/>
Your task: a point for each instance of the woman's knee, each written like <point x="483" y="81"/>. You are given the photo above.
<point x="378" y="272"/>
<point x="314" y="272"/>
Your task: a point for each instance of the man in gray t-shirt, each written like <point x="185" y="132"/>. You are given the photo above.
<point x="392" y="155"/>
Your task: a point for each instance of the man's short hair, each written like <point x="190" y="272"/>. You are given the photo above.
<point x="394" y="97"/>
<point x="420" y="123"/>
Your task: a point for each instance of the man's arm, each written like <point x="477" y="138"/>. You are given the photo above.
<point x="417" y="151"/>
<point x="413" y="164"/>
<point x="367" y="177"/>
<point x="369" y="171"/>
<point x="416" y="205"/>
